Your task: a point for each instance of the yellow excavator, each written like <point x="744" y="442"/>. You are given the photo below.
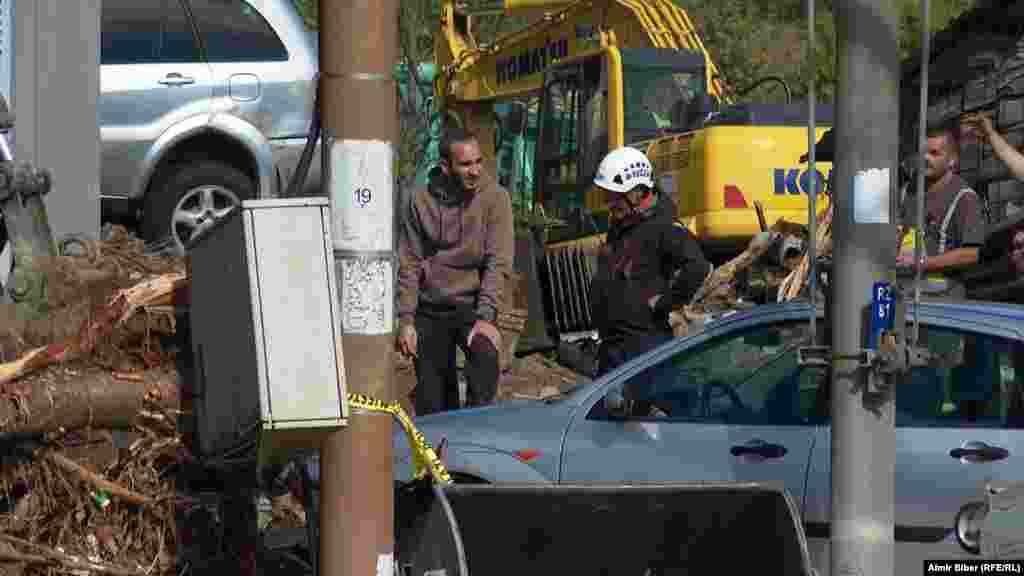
<point x="599" y="74"/>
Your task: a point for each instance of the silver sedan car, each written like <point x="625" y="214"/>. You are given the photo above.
<point x="732" y="403"/>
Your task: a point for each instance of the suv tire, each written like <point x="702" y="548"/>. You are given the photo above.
<point x="200" y="193"/>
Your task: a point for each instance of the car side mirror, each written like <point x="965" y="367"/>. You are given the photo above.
<point x="616" y="405"/>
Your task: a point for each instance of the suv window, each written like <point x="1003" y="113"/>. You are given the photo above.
<point x="146" y="32"/>
<point x="234" y="31"/>
<point x="750" y="377"/>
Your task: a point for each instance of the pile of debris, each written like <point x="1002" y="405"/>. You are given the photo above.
<point x="88" y="418"/>
<point x="89" y="402"/>
<point x="790" y="281"/>
<point x="90" y="406"/>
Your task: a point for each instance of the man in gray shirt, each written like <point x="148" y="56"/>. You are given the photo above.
<point x="954" y="228"/>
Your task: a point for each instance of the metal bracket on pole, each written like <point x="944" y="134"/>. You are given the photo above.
<point x="23" y="210"/>
<point x="823" y="356"/>
<point x="897" y="353"/>
<point x="888" y="353"/>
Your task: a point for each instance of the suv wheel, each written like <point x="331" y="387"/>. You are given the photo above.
<point x="191" y="199"/>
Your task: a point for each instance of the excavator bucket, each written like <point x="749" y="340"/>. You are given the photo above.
<point x="539" y="529"/>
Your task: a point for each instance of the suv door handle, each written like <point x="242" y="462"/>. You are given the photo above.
<point x="759" y="448"/>
<point x="979" y="452"/>
<point x="176" y="79"/>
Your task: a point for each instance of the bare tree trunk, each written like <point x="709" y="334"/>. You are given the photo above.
<point x="61" y="398"/>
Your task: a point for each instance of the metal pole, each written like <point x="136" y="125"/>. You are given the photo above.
<point x="922" y="140"/>
<point x="359" y="49"/>
<point x="863" y="437"/>
<point x="812" y="180"/>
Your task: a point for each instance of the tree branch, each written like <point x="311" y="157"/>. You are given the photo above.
<point x="116" y="490"/>
<point x="50" y="556"/>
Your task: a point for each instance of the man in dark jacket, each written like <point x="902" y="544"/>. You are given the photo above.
<point x="652" y="264"/>
<point x="455" y="253"/>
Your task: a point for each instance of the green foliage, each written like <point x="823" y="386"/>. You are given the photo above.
<point x="750" y="39"/>
<point x="309" y="10"/>
<point x="941" y="13"/>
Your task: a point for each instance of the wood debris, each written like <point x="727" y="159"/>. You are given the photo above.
<point x="96" y="365"/>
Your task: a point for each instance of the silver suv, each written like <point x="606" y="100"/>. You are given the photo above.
<point x="203" y="103"/>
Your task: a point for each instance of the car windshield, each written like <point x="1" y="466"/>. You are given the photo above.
<point x="661" y="99"/>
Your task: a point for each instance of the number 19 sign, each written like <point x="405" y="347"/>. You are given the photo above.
<point x="882" y="312"/>
<point x="361" y="189"/>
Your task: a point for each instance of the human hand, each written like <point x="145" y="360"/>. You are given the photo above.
<point x="407" y="340"/>
<point x="490" y="331"/>
<point x="979" y="124"/>
<point x="677" y="321"/>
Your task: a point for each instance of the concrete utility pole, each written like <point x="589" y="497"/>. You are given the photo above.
<point x="358" y="52"/>
<point x="56" y="90"/>
<point x="865" y="243"/>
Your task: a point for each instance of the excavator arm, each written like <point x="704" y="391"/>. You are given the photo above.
<point x="514" y="63"/>
<point x="641" y="42"/>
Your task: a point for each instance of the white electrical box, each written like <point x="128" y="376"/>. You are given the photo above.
<point x="266" y="334"/>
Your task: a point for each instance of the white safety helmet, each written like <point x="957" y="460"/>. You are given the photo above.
<point x="623" y="169"/>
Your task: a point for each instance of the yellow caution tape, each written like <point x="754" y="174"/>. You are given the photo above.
<point x="425" y="460"/>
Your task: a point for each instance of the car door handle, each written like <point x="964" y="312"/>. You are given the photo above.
<point x="176" y="79"/>
<point x="979" y="452"/>
<point x="759" y="448"/>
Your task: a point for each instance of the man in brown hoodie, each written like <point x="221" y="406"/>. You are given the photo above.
<point x="455" y="252"/>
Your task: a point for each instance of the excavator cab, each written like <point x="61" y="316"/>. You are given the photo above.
<point x="664" y="92"/>
<point x="595" y="102"/>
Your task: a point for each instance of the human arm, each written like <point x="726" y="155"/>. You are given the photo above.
<point x="410" y="262"/>
<point x="957" y="258"/>
<point x="981" y="125"/>
<point x="686" y="265"/>
<point x="498" y="247"/>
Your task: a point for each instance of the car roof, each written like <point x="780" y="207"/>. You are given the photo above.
<point x="992" y="316"/>
<point x="962" y="309"/>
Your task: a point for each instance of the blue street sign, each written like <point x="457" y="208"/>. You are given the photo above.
<point x="882" y="312"/>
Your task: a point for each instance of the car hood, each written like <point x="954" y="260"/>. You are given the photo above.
<point x="514" y="428"/>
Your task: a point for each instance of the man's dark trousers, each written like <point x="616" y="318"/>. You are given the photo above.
<point x="642" y="387"/>
<point x="438" y="332"/>
<point x="616" y="351"/>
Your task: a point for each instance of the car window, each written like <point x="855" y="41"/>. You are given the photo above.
<point x="146" y="32"/>
<point x="750" y="377"/>
<point x="234" y="31"/>
<point x="178" y="42"/>
<point x="975" y="382"/>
